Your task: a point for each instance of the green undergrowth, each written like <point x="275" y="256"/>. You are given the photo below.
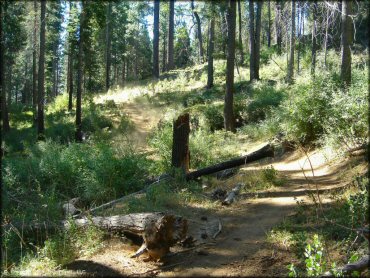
<point x="325" y="237"/>
<point x="173" y="195"/>
<point x="58" y="250"/>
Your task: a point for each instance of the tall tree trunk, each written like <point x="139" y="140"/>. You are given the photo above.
<point x="314" y="44"/>
<point x="34" y="64"/>
<point x="326" y="39"/>
<point x="54" y="75"/>
<point x="290" y="74"/>
<point x="171" y="28"/>
<point x="4" y="110"/>
<point x="25" y="88"/>
<point x="108" y="47"/>
<point x="347" y="37"/>
<point x="70" y="66"/>
<point x="70" y="79"/>
<point x="156" y="40"/>
<point x="41" y="75"/>
<point x="210" y="52"/>
<point x="78" y="134"/>
<point x="199" y="32"/>
<point x="240" y="34"/>
<point x="223" y="32"/>
<point x="278" y="31"/>
<point x="299" y="23"/>
<point x="164" y="57"/>
<point x="57" y="79"/>
<point x="229" y="95"/>
<point x="252" y="45"/>
<point x="269" y="23"/>
<point x="124" y="62"/>
<point x="9" y="79"/>
<point x="258" y="40"/>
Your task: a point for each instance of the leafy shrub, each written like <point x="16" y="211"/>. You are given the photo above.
<point x="94" y="120"/>
<point x="306" y="109"/>
<point x="347" y="121"/>
<point x="260" y="105"/>
<point x="214" y="117"/>
<point x="51" y="172"/>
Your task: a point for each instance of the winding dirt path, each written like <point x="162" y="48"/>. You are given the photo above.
<point x="241" y="248"/>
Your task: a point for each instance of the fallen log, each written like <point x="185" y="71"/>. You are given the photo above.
<point x="359" y="266"/>
<point x="159" y="231"/>
<point x="231" y="196"/>
<point x="266" y="151"/>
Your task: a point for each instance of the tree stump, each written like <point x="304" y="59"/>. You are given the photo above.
<point x="180" y="145"/>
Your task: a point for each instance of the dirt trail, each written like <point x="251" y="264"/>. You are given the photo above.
<point x="144" y="118"/>
<point x="241" y="248"/>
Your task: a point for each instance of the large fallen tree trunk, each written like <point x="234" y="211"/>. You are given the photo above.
<point x="266" y="151"/>
<point x="159" y="231"/>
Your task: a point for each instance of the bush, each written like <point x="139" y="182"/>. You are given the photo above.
<point x="52" y="172"/>
<point x="93" y="119"/>
<point x="347" y="121"/>
<point x="306" y="109"/>
<point x="214" y="117"/>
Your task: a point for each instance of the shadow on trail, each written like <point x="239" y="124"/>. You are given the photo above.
<point x="91" y="268"/>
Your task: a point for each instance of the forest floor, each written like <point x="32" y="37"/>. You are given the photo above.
<point x="242" y="247"/>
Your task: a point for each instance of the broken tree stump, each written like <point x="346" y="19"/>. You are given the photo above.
<point x="266" y="151"/>
<point x="231" y="196"/>
<point x="180" y="145"/>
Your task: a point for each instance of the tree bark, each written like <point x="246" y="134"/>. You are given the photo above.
<point x="171" y="28"/>
<point x="240" y="34"/>
<point x="34" y="64"/>
<point x="314" y="44"/>
<point x="266" y="151"/>
<point x="346" y="41"/>
<point x="164" y="57"/>
<point x="108" y="37"/>
<point x="278" y="32"/>
<point x="180" y="145"/>
<point x="25" y="88"/>
<point x="41" y="75"/>
<point x="290" y="74"/>
<point x="70" y="66"/>
<point x="156" y="40"/>
<point x="269" y="23"/>
<point x="78" y="134"/>
<point x="326" y="39"/>
<point x="199" y="33"/>
<point x="252" y="45"/>
<point x="4" y="110"/>
<point x="210" y="53"/>
<point x="229" y="95"/>
<point x="258" y="40"/>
